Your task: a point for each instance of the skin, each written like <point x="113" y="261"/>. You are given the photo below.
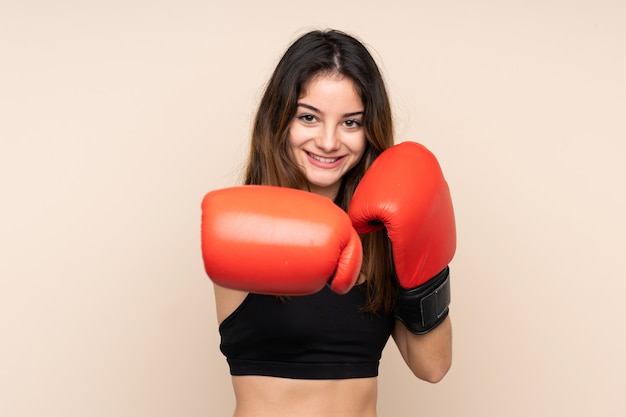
<point x="326" y="140"/>
<point x="326" y="137"/>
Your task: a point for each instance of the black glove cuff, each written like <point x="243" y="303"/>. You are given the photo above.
<point x="423" y="308"/>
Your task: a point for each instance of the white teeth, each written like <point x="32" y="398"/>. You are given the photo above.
<point x="321" y="159"/>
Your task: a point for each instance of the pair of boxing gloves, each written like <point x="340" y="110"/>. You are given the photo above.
<point x="282" y="241"/>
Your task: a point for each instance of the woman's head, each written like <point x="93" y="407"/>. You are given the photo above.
<point x="317" y="54"/>
<point x="326" y="138"/>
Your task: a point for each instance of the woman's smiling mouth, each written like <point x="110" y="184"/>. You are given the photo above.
<point x="322" y="159"/>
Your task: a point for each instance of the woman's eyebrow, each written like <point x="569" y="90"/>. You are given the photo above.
<point x="315" y="109"/>
<point x="308" y="106"/>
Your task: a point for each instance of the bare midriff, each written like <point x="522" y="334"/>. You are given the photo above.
<point x="261" y="396"/>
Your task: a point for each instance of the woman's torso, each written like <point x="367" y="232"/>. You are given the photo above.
<point x="261" y="395"/>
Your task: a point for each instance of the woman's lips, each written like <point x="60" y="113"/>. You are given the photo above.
<point x="324" y="161"/>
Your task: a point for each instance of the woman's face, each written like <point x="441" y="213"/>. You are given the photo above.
<point x="326" y="136"/>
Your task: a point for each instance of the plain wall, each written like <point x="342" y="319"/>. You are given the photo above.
<point x="116" y="117"/>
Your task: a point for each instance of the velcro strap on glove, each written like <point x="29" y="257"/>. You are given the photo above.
<point x="423" y="308"/>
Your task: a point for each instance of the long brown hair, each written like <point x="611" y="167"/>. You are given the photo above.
<point x="315" y="53"/>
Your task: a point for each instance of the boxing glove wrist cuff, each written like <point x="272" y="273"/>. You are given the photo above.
<point x="423" y="308"/>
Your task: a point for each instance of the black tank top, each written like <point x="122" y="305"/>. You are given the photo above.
<point x="319" y="336"/>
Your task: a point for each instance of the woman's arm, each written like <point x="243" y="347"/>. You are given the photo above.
<point x="429" y="356"/>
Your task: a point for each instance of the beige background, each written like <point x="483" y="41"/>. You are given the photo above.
<point x="117" y="116"/>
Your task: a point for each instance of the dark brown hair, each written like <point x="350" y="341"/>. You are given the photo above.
<point x="315" y="53"/>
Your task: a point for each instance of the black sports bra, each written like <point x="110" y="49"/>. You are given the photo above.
<point x="319" y="336"/>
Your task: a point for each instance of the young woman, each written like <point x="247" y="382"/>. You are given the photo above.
<point x="323" y="120"/>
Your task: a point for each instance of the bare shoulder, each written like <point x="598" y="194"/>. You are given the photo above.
<point x="227" y="301"/>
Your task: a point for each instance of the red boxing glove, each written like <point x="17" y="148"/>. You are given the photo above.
<point x="275" y="240"/>
<point x="404" y="191"/>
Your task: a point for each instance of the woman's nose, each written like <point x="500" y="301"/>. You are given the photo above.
<point x="328" y="140"/>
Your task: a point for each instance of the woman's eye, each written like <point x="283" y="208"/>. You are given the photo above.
<point x="307" y="118"/>
<point x="352" y="123"/>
